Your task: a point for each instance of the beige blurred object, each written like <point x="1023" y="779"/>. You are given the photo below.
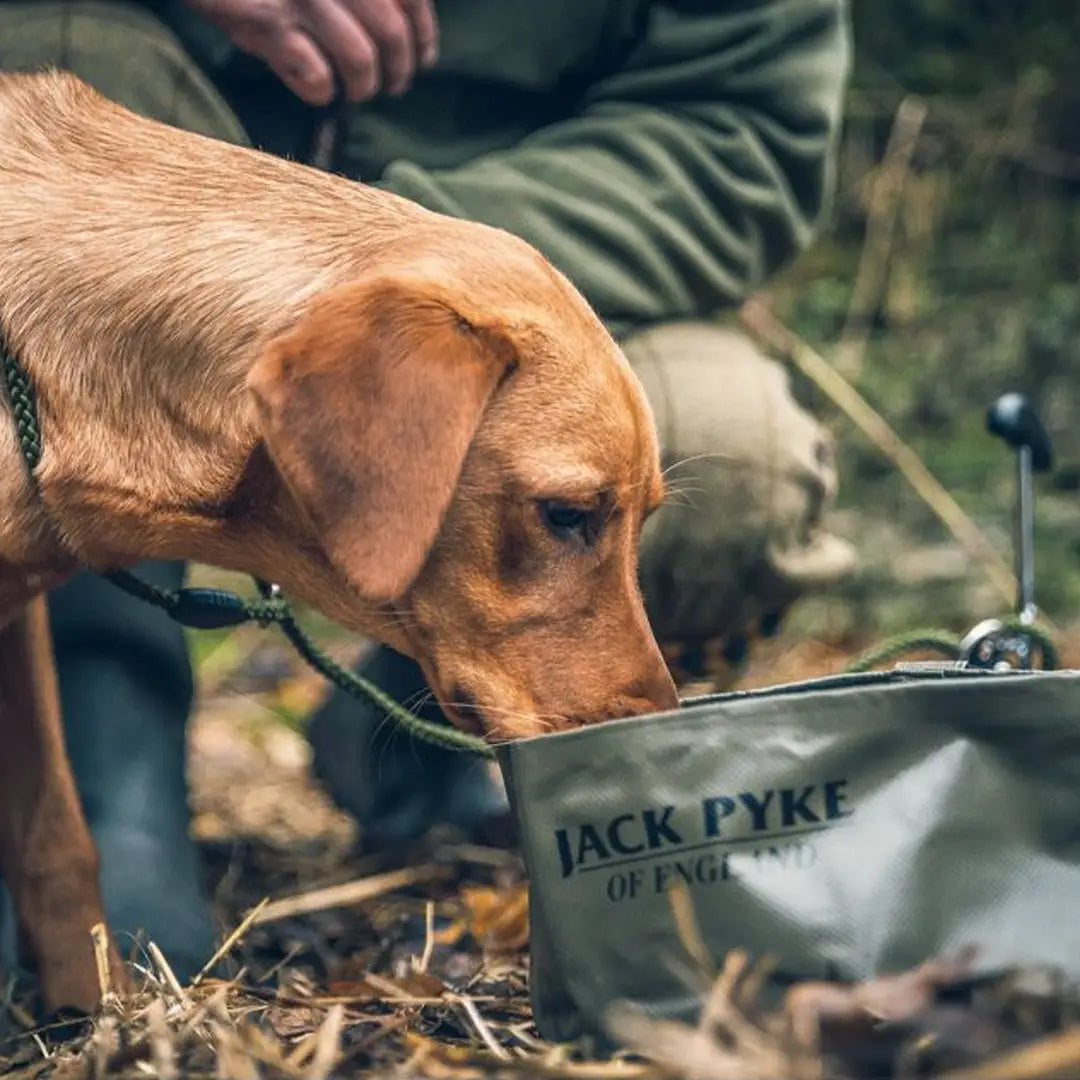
<point x="752" y="475"/>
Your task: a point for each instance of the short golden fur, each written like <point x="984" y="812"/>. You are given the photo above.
<point x="245" y="362"/>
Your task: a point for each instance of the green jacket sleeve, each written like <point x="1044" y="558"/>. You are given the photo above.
<point x="689" y="175"/>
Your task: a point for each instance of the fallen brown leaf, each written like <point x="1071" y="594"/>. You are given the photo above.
<point x="498" y="918"/>
<point x="369" y="987"/>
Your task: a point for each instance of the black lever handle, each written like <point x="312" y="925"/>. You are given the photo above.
<point x="1013" y="418"/>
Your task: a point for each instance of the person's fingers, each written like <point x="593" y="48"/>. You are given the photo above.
<point x="302" y="66"/>
<point x="270" y="30"/>
<point x="392" y="32"/>
<point x="369" y="44"/>
<point x="425" y="26"/>
<point x="345" y="41"/>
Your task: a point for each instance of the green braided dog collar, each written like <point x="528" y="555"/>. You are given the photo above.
<point x="211" y="609"/>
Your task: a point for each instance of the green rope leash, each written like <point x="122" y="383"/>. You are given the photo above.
<point x="449" y="738"/>
<point x="943" y="642"/>
<point x="213" y="609"/>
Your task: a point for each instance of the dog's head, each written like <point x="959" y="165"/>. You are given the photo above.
<point x="477" y="460"/>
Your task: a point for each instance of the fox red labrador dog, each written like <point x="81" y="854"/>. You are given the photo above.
<point x="412" y="423"/>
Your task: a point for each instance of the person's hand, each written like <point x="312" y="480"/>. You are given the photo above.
<point x="370" y="45"/>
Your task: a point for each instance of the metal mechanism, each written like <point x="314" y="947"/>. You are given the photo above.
<point x="991" y="644"/>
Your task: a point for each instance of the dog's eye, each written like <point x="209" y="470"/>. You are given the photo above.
<point x="568" y="522"/>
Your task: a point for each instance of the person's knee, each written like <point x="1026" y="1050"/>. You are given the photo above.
<point x="751" y="476"/>
<point x="121" y="50"/>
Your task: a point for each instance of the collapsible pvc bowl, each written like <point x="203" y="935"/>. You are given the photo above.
<point x="845" y="827"/>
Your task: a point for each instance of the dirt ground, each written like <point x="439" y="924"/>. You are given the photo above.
<point x="416" y="963"/>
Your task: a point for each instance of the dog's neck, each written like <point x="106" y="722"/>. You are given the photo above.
<point x="149" y="447"/>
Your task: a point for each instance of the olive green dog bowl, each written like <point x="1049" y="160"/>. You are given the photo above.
<point x="846" y="827"/>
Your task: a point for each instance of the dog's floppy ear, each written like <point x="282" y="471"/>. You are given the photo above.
<point x="367" y="407"/>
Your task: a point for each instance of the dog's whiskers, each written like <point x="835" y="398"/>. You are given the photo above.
<point x="679" y="463"/>
<point x="680" y="498"/>
<point x="415" y="702"/>
<point x="548" y="721"/>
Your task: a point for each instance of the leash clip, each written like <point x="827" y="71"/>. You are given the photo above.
<point x="271" y="593"/>
<point x="208" y="609"/>
<point x="995" y="646"/>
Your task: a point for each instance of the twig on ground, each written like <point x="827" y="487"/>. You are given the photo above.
<point x="233" y="1059"/>
<point x="480" y="1026"/>
<point x="392" y="991"/>
<point x="429" y="936"/>
<point x="103" y="1045"/>
<point x="100" y="938"/>
<point x="327" y="1045"/>
<point x="883" y="210"/>
<point x="346" y="895"/>
<point x="480" y="855"/>
<point x="302" y="1051"/>
<point x="212" y="1006"/>
<point x="168" y="976"/>
<point x="1054" y="1058"/>
<point x="162" y="1050"/>
<point x="231" y="941"/>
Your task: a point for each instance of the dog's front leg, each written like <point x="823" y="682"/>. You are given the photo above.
<point x="47" y="857"/>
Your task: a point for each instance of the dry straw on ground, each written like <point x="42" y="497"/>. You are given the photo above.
<point x="342" y="964"/>
<point x="422" y="971"/>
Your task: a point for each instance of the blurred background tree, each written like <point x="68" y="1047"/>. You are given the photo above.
<point x="979" y="294"/>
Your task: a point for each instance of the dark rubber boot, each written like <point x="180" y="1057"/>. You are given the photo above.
<point x="126" y="689"/>
<point x="398" y="787"/>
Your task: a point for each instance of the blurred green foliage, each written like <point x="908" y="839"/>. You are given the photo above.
<point x="965" y="47"/>
<point x="982" y="293"/>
